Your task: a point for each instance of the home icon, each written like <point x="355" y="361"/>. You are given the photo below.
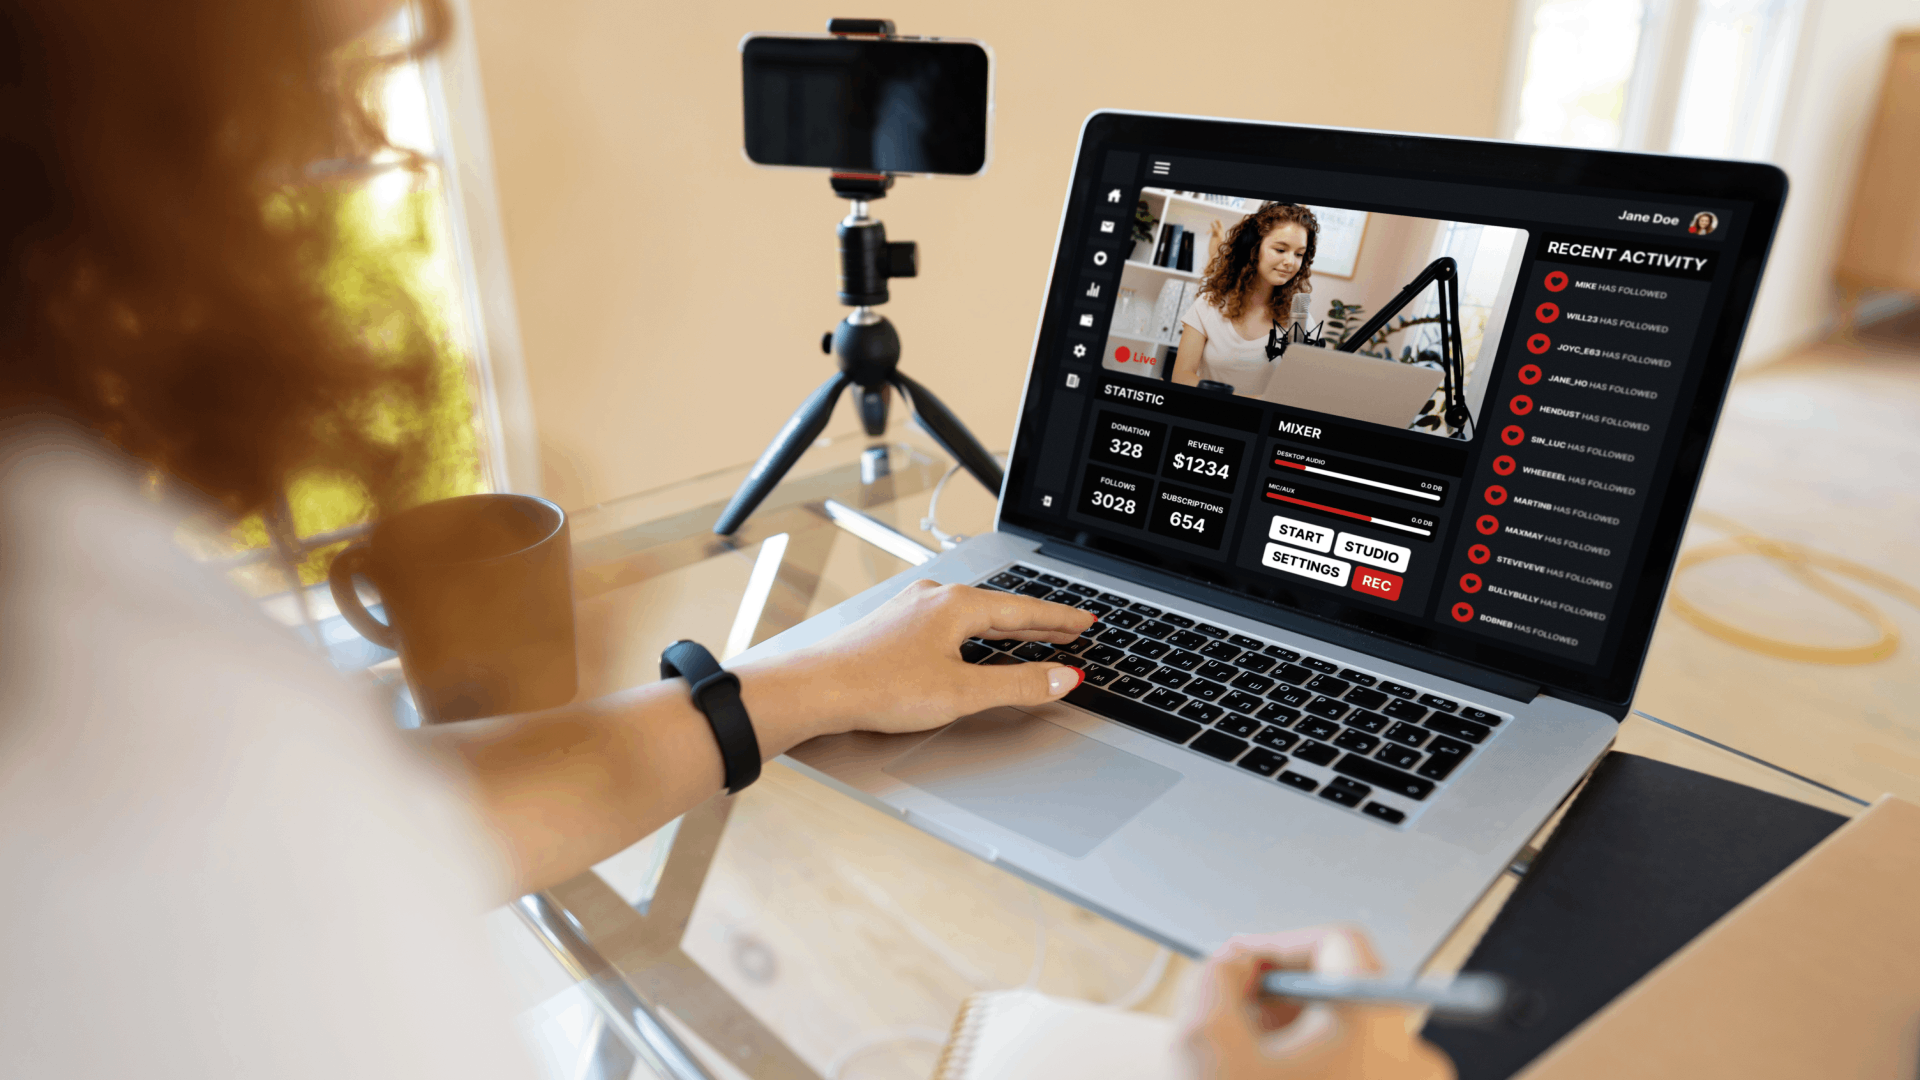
<point x="1114" y="195"/>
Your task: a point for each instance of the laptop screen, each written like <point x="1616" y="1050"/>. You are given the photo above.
<point x="1452" y="394"/>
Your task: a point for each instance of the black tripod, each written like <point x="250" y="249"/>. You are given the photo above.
<point x="869" y="351"/>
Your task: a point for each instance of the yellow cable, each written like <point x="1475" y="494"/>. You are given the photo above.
<point x="1804" y="564"/>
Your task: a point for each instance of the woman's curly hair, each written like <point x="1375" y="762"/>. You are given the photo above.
<point x="1233" y="266"/>
<point x="159" y="275"/>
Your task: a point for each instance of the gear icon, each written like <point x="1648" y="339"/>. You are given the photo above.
<point x="1080" y="350"/>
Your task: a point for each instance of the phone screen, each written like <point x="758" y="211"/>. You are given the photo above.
<point x="867" y="105"/>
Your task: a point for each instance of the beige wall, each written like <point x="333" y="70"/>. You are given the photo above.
<point x="671" y="297"/>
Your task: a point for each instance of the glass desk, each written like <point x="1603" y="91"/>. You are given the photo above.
<point x="783" y="931"/>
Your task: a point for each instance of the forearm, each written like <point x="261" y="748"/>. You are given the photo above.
<point x="562" y="789"/>
<point x="1186" y="361"/>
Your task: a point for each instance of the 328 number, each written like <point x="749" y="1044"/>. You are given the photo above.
<point x="1123" y="448"/>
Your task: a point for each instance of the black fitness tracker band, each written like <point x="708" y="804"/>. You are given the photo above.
<point x="716" y="692"/>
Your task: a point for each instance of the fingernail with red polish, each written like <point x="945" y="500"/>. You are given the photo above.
<point x="1058" y="681"/>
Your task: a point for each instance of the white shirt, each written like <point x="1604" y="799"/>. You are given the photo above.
<point x="217" y="858"/>
<point x="1228" y="357"/>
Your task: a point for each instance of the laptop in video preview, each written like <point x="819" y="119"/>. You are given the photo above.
<point x="1373" y="453"/>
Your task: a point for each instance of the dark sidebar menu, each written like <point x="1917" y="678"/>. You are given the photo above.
<point x="1574" y="430"/>
<point x="1096" y="272"/>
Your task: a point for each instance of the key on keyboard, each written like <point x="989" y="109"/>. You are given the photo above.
<point x="1214" y="669"/>
<point x="1164" y="698"/>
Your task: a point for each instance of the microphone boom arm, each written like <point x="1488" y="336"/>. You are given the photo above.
<point x="1445" y="274"/>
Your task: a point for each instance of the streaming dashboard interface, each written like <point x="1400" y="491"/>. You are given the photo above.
<point x="1444" y="409"/>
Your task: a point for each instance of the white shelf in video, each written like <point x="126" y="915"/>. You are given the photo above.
<point x="1144" y="339"/>
<point x="1235" y="212"/>
<point x="1168" y="270"/>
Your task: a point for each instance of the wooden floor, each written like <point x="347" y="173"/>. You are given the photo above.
<point x="837" y="924"/>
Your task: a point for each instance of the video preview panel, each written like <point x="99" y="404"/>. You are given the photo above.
<point x="1265" y="297"/>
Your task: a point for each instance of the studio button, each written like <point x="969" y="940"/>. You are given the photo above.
<point x="1365" y="549"/>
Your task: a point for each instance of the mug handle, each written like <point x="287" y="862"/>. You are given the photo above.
<point x="349" y="562"/>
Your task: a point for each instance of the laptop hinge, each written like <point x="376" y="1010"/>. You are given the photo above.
<point x="1386" y="649"/>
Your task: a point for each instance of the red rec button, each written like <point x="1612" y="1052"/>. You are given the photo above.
<point x="1377" y="583"/>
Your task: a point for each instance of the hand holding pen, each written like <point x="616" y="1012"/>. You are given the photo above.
<point x="1233" y="1031"/>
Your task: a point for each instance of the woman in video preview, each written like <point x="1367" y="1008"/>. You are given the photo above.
<point x="1257" y="268"/>
<point x="196" y="811"/>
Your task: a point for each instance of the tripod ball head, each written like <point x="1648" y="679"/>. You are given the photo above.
<point x="868" y="347"/>
<point x="867" y="260"/>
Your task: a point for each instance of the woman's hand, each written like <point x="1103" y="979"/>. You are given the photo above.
<point x="1231" y="1033"/>
<point x="899" y="669"/>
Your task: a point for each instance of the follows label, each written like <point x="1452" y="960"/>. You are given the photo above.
<point x="1300" y="534"/>
<point x="1295" y="561"/>
<point x="1378" y="553"/>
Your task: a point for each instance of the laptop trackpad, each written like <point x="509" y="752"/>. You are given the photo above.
<point x="1042" y="781"/>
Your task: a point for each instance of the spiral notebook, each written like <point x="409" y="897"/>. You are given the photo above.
<point x="1025" y="1035"/>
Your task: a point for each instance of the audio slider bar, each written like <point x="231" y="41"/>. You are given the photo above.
<point x="1350" y="508"/>
<point x="1352" y="479"/>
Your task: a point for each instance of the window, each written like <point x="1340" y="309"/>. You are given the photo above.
<point x="1699" y="77"/>
<point x="397" y="227"/>
<point x="1580" y="59"/>
<point x="1736" y="78"/>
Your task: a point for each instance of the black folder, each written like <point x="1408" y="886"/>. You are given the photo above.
<point x="1648" y="856"/>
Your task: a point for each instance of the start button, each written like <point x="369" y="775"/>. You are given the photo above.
<point x="1377" y="583"/>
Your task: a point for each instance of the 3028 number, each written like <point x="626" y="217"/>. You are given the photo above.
<point x="1113" y="502"/>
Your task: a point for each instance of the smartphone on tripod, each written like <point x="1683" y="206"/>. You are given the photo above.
<point x="867" y="103"/>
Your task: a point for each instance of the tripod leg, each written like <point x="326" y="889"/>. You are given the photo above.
<point x="873" y="408"/>
<point x="798" y="434"/>
<point x="946" y="429"/>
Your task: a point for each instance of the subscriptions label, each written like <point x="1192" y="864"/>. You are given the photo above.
<point x="1196" y="517"/>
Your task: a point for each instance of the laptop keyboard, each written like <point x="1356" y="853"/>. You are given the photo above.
<point x="1377" y="747"/>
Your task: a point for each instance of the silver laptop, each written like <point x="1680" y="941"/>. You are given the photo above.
<point x="1343" y="669"/>
<point x="1317" y="379"/>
